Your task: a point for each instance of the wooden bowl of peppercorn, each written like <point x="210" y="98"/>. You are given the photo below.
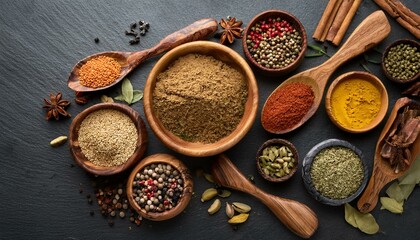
<point x="160" y="187"/>
<point x="277" y="160"/>
<point x="101" y="140"/>
<point x="191" y="118"/>
<point x="274" y="43"/>
<point x="401" y="61"/>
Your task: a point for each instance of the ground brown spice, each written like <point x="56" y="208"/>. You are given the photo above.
<point x="107" y="137"/>
<point x="199" y="98"/>
<point x="99" y="71"/>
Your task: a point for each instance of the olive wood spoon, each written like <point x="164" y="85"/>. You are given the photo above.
<point x="298" y="217"/>
<point x="382" y="172"/>
<point x="199" y="30"/>
<point x="370" y="32"/>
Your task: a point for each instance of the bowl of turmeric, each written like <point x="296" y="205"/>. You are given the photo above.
<point x="356" y="102"/>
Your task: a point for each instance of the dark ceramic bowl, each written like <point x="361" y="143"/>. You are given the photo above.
<point x="295" y="23"/>
<point x="278" y="142"/>
<point x="306" y="169"/>
<point x="412" y="43"/>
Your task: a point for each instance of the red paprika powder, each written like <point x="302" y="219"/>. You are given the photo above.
<point x="287" y="106"/>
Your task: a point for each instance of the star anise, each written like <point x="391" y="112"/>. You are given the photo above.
<point x="56" y="106"/>
<point x="232" y="30"/>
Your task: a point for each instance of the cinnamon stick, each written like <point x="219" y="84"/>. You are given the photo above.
<point x="346" y="23"/>
<point x="330" y="20"/>
<point x="328" y="15"/>
<point x="339" y="18"/>
<point x="403" y="15"/>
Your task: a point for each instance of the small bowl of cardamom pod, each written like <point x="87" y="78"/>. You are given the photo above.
<point x="277" y="160"/>
<point x="401" y="61"/>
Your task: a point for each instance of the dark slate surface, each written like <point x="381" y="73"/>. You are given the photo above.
<point x="40" y="41"/>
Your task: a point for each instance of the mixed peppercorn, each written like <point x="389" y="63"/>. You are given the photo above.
<point x="158" y="187"/>
<point x="274" y="43"/>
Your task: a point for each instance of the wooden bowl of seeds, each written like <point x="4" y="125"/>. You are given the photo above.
<point x="201" y="98"/>
<point x="274" y="43"/>
<point x="107" y="138"/>
<point x="277" y="160"/>
<point x="334" y="172"/>
<point x="160" y="187"/>
<point x="401" y="61"/>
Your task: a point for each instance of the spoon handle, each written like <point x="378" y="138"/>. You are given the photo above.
<point x="198" y="30"/>
<point x="369" y="33"/>
<point x="299" y="218"/>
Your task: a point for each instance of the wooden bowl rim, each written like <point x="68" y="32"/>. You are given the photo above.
<point x="200" y="149"/>
<point x="278" y="142"/>
<point x="307" y="164"/>
<point x="365" y="76"/>
<point x="393" y="44"/>
<point x="277" y="71"/>
<point x="81" y="160"/>
<point x="187" y="191"/>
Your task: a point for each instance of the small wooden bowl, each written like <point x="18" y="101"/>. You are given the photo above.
<point x="412" y="43"/>
<point x="196" y="149"/>
<point x="306" y="172"/>
<point x="284" y="16"/>
<point x="358" y="75"/>
<point x="278" y="142"/>
<point x="80" y="158"/>
<point x="182" y="202"/>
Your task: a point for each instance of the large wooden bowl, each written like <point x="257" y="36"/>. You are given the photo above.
<point x="186" y="194"/>
<point x="80" y="158"/>
<point x="364" y="76"/>
<point x="197" y="149"/>
<point x="295" y="23"/>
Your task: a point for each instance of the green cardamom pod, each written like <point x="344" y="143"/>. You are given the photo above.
<point x="208" y="194"/>
<point x="214" y="207"/>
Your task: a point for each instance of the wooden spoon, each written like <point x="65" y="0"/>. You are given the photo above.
<point x="370" y="32"/>
<point x="200" y="29"/>
<point x="382" y="172"/>
<point x="298" y="217"/>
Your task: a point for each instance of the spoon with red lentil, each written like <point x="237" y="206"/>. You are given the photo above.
<point x="296" y="100"/>
<point x="103" y="70"/>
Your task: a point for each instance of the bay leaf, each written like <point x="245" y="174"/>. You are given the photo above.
<point x="394" y="191"/>
<point x="127" y="90"/>
<point x="413" y="174"/>
<point x="137" y="96"/>
<point x="407" y="189"/>
<point x="366" y="222"/>
<point x="119" y="98"/>
<point x="391" y="205"/>
<point x="349" y="215"/>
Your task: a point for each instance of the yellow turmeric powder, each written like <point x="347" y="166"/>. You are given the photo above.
<point x="355" y="103"/>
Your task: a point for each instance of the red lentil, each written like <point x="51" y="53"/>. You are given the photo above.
<point x="99" y="71"/>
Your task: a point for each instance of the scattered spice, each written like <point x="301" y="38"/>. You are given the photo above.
<point x="287" y="106"/>
<point x="231" y="30"/>
<point x="214" y="207"/>
<point x="96" y="40"/>
<point x="158" y="187"/>
<point x="99" y="71"/>
<point x="80" y="98"/>
<point x="143" y="28"/>
<point x="336" y="172"/>
<point x="56" y="106"/>
<point x="355" y="103"/>
<point x="107" y="137"/>
<point x="199" y="98"/>
<point x="274" y="43"/>
<point x="58" y="141"/>
<point x="208" y="194"/>
<point x="402" y="61"/>
<point x="106" y="99"/>
<point x="402" y="134"/>
<point x="129" y="95"/>
<point x="363" y="221"/>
